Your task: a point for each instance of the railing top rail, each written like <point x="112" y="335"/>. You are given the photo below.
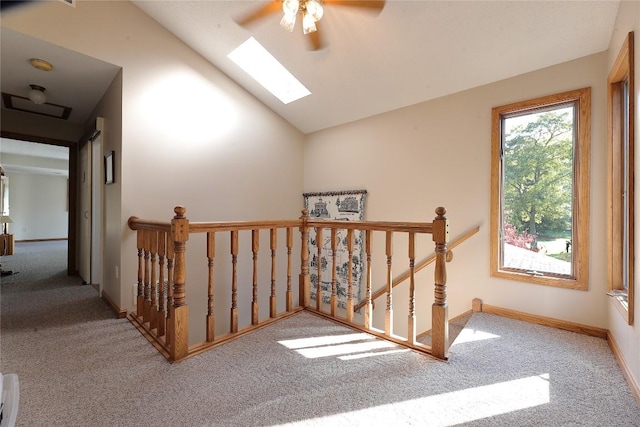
<point x="407" y="227"/>
<point x="136" y="223"/>
<point x="204" y="227"/>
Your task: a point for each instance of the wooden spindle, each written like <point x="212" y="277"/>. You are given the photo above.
<point x="368" y="308"/>
<point x="412" y="289"/>
<point x="180" y="320"/>
<point x="388" y="319"/>
<point x="161" y="315"/>
<point x="153" y="308"/>
<point x="304" y="283"/>
<point x="289" y="268"/>
<point x="211" y="253"/>
<point x="170" y="270"/>
<point x="255" y="247"/>
<point x="273" y="302"/>
<point x="350" y="276"/>
<point x="140" y="296"/>
<point x="334" y="271"/>
<point x="319" y="267"/>
<point x="146" y="308"/>
<point x="439" y="311"/>
<point x="234" y="282"/>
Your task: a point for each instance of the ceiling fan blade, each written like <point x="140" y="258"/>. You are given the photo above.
<point x="316" y="42"/>
<point x="269" y="8"/>
<point x="372" y="5"/>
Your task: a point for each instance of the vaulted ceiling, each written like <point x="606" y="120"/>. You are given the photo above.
<point x="409" y="52"/>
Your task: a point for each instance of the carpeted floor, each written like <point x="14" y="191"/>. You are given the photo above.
<point x="35" y="262"/>
<point x="79" y="366"/>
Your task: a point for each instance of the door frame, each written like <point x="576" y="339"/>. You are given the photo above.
<point x="72" y="268"/>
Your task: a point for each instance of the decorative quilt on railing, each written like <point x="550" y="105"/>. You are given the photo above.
<point x="340" y="206"/>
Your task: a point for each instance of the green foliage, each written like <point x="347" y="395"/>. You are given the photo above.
<point x="538" y="179"/>
<point x="563" y="256"/>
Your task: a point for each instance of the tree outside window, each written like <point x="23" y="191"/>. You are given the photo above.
<point x="540" y="190"/>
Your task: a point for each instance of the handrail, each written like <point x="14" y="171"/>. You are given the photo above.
<point x="401" y="227"/>
<point x="136" y="223"/>
<point x="420" y="266"/>
<point x="204" y="227"/>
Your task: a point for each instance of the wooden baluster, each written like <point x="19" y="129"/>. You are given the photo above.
<point x="304" y="282"/>
<point x="255" y="247"/>
<point x="162" y="251"/>
<point x="170" y="309"/>
<point x="180" y="319"/>
<point x="319" y="267"/>
<point x="388" y="320"/>
<point x="146" y="308"/>
<point x="334" y="271"/>
<point x="350" y="277"/>
<point x="439" y="310"/>
<point x="153" y="309"/>
<point x="211" y="253"/>
<point x="273" y="302"/>
<point x="234" y="282"/>
<point x="412" y="289"/>
<point x="368" y="308"/>
<point x="140" y="297"/>
<point x="289" y="268"/>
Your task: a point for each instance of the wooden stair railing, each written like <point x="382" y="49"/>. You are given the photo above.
<point x="168" y="331"/>
<point x="440" y="233"/>
<point x="162" y="314"/>
<point x="427" y="261"/>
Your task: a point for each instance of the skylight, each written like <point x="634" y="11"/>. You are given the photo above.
<point x="256" y="61"/>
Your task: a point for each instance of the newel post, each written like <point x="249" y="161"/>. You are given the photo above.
<point x="439" y="311"/>
<point x="305" y="282"/>
<point x="180" y="321"/>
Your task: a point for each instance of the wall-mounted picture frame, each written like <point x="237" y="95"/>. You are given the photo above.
<point x="108" y="168"/>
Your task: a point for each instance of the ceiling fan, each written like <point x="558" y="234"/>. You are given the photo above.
<point x="310" y="11"/>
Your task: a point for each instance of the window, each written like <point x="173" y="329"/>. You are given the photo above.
<point x="540" y="159"/>
<point x="620" y="173"/>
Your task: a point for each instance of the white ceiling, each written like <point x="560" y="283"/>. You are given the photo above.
<point x="35" y="150"/>
<point x="77" y="81"/>
<point x="410" y="52"/>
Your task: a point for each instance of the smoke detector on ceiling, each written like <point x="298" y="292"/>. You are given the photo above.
<point x="41" y="64"/>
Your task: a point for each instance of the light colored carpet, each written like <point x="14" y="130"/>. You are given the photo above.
<point x="35" y="262"/>
<point x="80" y="366"/>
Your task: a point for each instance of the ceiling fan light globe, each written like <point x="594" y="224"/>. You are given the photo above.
<point x="290" y="7"/>
<point x="37" y="95"/>
<point x="288" y="22"/>
<point x="314" y="9"/>
<point x="308" y="24"/>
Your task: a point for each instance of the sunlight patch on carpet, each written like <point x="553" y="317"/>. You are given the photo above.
<point x="470" y="335"/>
<point x="345" y="345"/>
<point x="462" y="406"/>
<point x="324" y="340"/>
<point x="373" y="354"/>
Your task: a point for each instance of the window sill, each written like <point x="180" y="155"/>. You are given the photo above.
<point x="558" y="282"/>
<point x="621" y="302"/>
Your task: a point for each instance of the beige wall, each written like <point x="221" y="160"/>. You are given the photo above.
<point x="107" y="118"/>
<point x="38" y="204"/>
<point x="189" y="135"/>
<point x="437" y="153"/>
<point x="628" y="337"/>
